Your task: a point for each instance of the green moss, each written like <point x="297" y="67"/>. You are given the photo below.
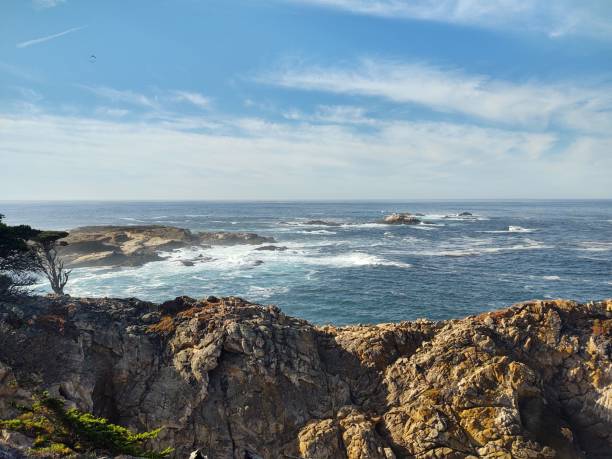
<point x="59" y="432"/>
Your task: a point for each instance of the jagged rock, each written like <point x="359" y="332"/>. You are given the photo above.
<point x="137" y="245"/>
<point x="234" y="379"/>
<point x="401" y="219"/>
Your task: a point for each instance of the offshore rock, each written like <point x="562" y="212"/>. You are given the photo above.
<point x="401" y="219"/>
<point x="234" y="379"/>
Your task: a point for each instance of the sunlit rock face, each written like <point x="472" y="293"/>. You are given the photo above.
<point x="235" y="379"/>
<point x="401" y="219"/>
<point x="137" y="245"/>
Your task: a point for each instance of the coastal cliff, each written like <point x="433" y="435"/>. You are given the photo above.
<point x="237" y="380"/>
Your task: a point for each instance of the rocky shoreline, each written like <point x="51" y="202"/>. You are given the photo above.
<point x="93" y="246"/>
<point x="236" y="379"/>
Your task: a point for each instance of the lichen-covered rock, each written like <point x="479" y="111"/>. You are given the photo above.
<point x="234" y="379"/>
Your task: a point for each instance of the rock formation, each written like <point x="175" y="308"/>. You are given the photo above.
<point x="234" y="379"/>
<point x="401" y="219"/>
<point x="137" y="245"/>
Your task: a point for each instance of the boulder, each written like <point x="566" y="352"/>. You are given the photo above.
<point x="401" y="219"/>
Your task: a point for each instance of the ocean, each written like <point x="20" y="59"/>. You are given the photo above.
<point x="360" y="271"/>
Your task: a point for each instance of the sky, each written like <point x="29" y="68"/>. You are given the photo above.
<point x="305" y="99"/>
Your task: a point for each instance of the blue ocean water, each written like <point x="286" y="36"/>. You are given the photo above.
<point x="361" y="271"/>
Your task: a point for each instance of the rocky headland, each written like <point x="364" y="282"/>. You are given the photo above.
<point x="237" y="380"/>
<point x="136" y="245"/>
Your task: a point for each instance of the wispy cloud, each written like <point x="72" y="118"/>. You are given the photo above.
<point x="555" y="18"/>
<point x="193" y="98"/>
<point x="36" y="41"/>
<point x="535" y="104"/>
<point x="123" y="96"/>
<point x="333" y="114"/>
<point x="44" y="4"/>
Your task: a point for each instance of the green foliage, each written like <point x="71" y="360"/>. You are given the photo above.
<point x="17" y="259"/>
<point x="48" y="239"/>
<point x="59" y="432"/>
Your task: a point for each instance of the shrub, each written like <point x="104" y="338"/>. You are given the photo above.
<point x="59" y="432"/>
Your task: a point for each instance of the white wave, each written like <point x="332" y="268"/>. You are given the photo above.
<point x="307" y="224"/>
<point x="452" y="217"/>
<point x="519" y="229"/>
<point x="551" y="278"/>
<point x="595" y="246"/>
<point x="130" y="219"/>
<point x="365" y="225"/>
<point x="262" y="293"/>
<point x="316" y="232"/>
<point x="242" y="256"/>
<point x="353" y="259"/>
<point x="424" y="227"/>
<point x="511" y="229"/>
<point x="479" y="247"/>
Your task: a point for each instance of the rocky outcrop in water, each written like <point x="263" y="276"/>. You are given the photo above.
<point x="401" y="219"/>
<point x="229" y="377"/>
<point x="137" y="245"/>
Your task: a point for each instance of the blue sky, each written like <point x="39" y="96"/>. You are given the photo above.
<point x="305" y="99"/>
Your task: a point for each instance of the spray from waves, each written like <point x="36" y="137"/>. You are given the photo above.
<point x="316" y="232"/>
<point x="353" y="259"/>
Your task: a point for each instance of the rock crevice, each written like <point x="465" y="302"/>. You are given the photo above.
<point x="232" y="378"/>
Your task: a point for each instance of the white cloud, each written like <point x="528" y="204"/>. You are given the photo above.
<point x="44" y="4"/>
<point x="237" y="158"/>
<point x="555" y="18"/>
<point x="333" y="114"/>
<point x="534" y="104"/>
<point x="159" y="101"/>
<point x="194" y="98"/>
<point x="123" y="96"/>
<point x="36" y="41"/>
